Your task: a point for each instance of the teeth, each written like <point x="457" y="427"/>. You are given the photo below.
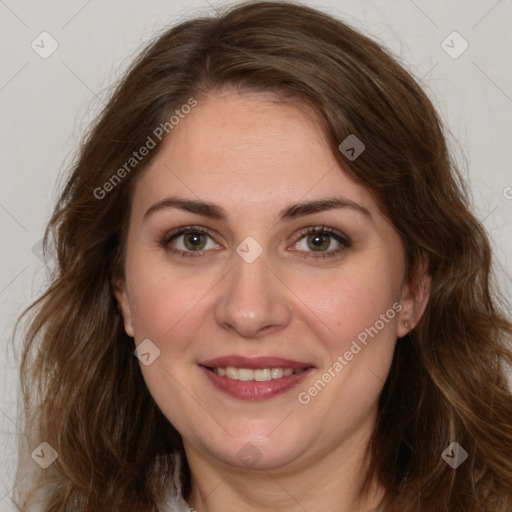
<point x="259" y="374"/>
<point x="244" y="373"/>
<point x="262" y="374"/>
<point x="277" y="373"/>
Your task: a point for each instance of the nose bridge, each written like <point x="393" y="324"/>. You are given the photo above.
<point x="253" y="298"/>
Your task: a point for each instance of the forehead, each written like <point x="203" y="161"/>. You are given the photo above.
<point x="246" y="149"/>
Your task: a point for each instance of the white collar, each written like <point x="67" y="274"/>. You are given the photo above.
<point x="174" y="501"/>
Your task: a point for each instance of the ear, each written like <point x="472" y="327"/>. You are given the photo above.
<point x="414" y="297"/>
<point x="123" y="304"/>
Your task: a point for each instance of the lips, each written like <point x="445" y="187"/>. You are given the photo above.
<point x="235" y="385"/>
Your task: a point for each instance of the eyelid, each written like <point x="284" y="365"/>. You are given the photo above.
<point x="326" y="230"/>
<point x="344" y="240"/>
<point x="339" y="236"/>
<point x="166" y="239"/>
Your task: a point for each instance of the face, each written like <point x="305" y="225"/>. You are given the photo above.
<point x="235" y="294"/>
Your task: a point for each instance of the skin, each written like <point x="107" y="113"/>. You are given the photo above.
<point x="253" y="157"/>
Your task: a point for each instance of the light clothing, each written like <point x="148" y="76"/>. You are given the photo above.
<point x="175" y="504"/>
<point x="174" y="501"/>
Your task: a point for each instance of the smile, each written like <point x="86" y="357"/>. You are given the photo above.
<point x="259" y="375"/>
<point x="254" y="378"/>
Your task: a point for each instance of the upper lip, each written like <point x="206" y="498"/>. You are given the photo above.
<point x="254" y="362"/>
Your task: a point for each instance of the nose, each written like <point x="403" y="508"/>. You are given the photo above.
<point x="255" y="301"/>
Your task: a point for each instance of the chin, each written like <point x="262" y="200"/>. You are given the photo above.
<point x="256" y="451"/>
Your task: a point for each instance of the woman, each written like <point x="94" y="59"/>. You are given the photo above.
<point x="271" y="293"/>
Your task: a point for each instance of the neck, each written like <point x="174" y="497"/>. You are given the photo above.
<point x="329" y="482"/>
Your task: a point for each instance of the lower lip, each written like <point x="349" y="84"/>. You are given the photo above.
<point x="252" y="389"/>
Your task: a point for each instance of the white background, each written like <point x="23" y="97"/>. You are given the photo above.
<point x="47" y="103"/>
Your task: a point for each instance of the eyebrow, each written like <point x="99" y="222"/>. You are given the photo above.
<point x="292" y="211"/>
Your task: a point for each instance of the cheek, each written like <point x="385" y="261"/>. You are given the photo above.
<point x="167" y="308"/>
<point x="338" y="304"/>
<point x="352" y="301"/>
<point x="355" y="318"/>
<point x="162" y="298"/>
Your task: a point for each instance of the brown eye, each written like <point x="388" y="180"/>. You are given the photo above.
<point x="319" y="242"/>
<point x="320" y="239"/>
<point x="194" y="240"/>
<point x="188" y="241"/>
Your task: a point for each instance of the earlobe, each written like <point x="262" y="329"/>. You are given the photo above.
<point x="414" y="299"/>
<point x="123" y="304"/>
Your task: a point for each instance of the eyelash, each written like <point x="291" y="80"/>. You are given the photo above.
<point x="338" y="236"/>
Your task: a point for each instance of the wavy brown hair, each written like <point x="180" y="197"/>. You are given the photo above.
<point x="83" y="390"/>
